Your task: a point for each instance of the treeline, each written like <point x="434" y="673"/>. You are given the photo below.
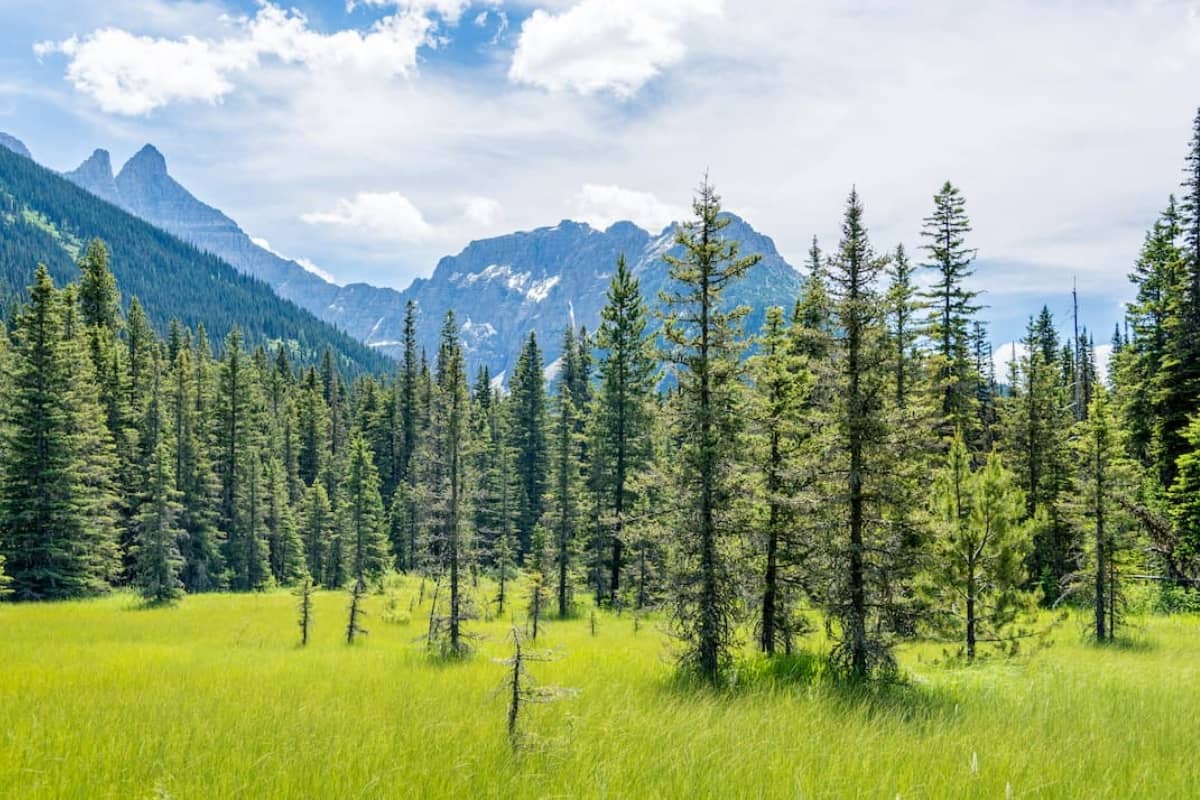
<point x="856" y="458"/>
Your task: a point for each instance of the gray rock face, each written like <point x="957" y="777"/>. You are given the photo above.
<point x="14" y="144"/>
<point x="541" y="281"/>
<point x="96" y="176"/>
<point x="500" y="289"/>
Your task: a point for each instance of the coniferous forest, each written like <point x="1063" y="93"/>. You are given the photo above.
<point x="818" y="496"/>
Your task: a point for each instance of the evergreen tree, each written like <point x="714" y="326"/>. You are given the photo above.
<point x="1177" y="387"/>
<point x="979" y="549"/>
<point x="622" y="418"/>
<point x="195" y="480"/>
<point x="951" y="306"/>
<point x="56" y="522"/>
<point x="317" y="532"/>
<point x="528" y="431"/>
<point x="868" y="482"/>
<point x="562" y="517"/>
<point x="903" y="306"/>
<point x="449" y="512"/>
<point x="776" y="434"/>
<point x="158" y="564"/>
<point x="1037" y="421"/>
<point x="704" y="340"/>
<point x="1103" y="482"/>
<point x="361" y="517"/>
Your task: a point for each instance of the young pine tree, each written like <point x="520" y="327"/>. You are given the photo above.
<point x="980" y="542"/>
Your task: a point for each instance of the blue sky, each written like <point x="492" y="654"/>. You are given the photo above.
<point x="371" y="139"/>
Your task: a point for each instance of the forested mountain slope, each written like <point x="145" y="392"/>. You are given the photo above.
<point x="45" y="218"/>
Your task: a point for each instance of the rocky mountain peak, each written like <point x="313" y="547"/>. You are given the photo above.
<point x="145" y="163"/>
<point x="14" y="144"/>
<point x="96" y="175"/>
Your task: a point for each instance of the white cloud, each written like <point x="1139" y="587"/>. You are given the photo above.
<point x="449" y="10"/>
<point x="130" y="74"/>
<point x="385" y="215"/>
<point x="391" y="216"/>
<point x="602" y="205"/>
<point x="604" y="45"/>
<point x="481" y="211"/>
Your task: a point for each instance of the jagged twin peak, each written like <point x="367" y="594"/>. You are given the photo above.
<point x="501" y="289"/>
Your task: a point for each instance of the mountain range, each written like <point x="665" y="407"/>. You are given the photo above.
<point x="501" y="288"/>
<point x="47" y="219"/>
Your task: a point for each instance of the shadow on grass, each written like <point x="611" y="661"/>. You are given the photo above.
<point x="1131" y="643"/>
<point x="894" y="695"/>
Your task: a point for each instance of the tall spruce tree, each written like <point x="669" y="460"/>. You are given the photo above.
<point x="704" y="339"/>
<point x="623" y="413"/>
<point x="868" y="483"/>
<point x="951" y="307"/>
<point x="562" y="515"/>
<point x="527" y="428"/>
<point x="449" y="511"/>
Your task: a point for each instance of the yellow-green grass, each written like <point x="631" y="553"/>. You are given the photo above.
<point x="213" y="698"/>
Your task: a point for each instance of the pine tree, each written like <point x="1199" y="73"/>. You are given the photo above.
<point x="704" y="340"/>
<point x="158" y="564"/>
<point x="776" y="434"/>
<point x="868" y="485"/>
<point x="285" y="548"/>
<point x="1102" y="491"/>
<point x="528" y="431"/>
<point x="361" y="519"/>
<point x="195" y="480"/>
<point x="979" y="549"/>
<point x="313" y="420"/>
<point x="903" y="306"/>
<point x="449" y="511"/>
<point x="244" y="490"/>
<point x="317" y="524"/>
<point x="951" y="306"/>
<point x="622" y="418"/>
<point x="56" y="521"/>
<point x="562" y="516"/>
<point x="1177" y="390"/>
<point x="1037" y="421"/>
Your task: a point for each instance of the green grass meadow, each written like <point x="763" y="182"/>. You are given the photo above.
<point x="213" y="698"/>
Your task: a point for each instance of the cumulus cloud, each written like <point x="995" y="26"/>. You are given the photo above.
<point x="132" y="75"/>
<point x="387" y="215"/>
<point x="481" y="211"/>
<point x="449" y="10"/>
<point x="391" y="216"/>
<point x="602" y="205"/>
<point x="604" y="45"/>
